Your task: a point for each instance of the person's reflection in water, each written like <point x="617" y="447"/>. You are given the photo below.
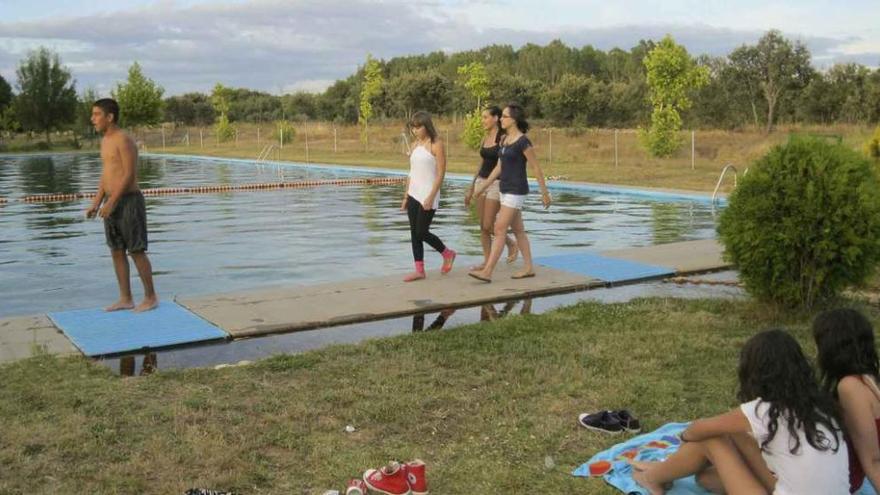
<point x="419" y="321"/>
<point x="489" y="313"/>
<point x="127" y="365"/>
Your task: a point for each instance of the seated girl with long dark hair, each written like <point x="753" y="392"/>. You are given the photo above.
<point x="783" y="439"/>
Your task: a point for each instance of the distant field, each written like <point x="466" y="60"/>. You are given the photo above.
<point x="575" y="154"/>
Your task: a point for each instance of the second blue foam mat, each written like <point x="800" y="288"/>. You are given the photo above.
<point x="96" y="332"/>
<point x="603" y="268"/>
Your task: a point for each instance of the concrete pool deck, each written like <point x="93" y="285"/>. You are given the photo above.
<point x="288" y="309"/>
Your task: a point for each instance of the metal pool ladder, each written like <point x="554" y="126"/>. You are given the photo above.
<point x="727" y="167"/>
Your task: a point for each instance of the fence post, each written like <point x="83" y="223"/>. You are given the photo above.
<point x="187" y="138"/>
<point x="201" y="139"/>
<point x="693" y="151"/>
<point x="615" y="148"/>
<point x="281" y="137"/>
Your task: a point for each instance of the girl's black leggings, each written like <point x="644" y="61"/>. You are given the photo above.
<point x="419" y="225"/>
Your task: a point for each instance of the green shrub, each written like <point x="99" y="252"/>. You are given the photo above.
<point x="662" y="137"/>
<point x="872" y="147"/>
<point x="473" y="132"/>
<point x="804" y="223"/>
<point x="286" y="127"/>
<point x="225" y="131"/>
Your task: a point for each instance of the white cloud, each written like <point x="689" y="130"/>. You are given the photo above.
<point x="279" y="46"/>
<point x="309" y="86"/>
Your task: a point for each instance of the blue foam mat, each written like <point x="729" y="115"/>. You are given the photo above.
<point x="603" y="268"/>
<point x="96" y="332"/>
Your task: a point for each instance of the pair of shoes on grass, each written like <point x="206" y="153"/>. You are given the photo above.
<point x="397" y="479"/>
<point x="612" y="422"/>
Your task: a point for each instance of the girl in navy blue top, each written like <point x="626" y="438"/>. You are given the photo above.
<point x="516" y="152"/>
<point x="489" y="202"/>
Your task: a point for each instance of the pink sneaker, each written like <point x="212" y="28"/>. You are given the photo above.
<point x="415" y="476"/>
<point x="389" y="480"/>
<point x="418" y="274"/>
<point x="448" y="261"/>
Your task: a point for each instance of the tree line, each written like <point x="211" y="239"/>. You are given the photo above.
<point x="770" y="82"/>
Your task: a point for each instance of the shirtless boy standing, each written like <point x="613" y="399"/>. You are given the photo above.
<point x="123" y="210"/>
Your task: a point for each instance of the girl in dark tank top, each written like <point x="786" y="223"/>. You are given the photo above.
<point x="489" y="203"/>
<point x="490" y="155"/>
<point x="516" y="152"/>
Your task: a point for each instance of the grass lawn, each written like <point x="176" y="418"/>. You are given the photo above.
<point x="484" y="405"/>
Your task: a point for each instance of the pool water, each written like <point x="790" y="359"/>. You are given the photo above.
<point x="53" y="258"/>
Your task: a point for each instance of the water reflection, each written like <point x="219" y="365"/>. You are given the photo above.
<point x="488" y="312"/>
<point x="671" y="222"/>
<point x="40" y="175"/>
<point x="128" y="365"/>
<point x="151" y="172"/>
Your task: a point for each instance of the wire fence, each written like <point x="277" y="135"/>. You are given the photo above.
<point x="315" y="141"/>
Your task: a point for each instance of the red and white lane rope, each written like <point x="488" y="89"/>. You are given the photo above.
<point x="166" y="191"/>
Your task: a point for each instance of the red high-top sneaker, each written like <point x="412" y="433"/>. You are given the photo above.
<point x="415" y="475"/>
<point x="390" y="480"/>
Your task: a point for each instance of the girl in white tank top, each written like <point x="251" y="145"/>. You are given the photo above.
<point x="427" y="167"/>
<point x="422" y="175"/>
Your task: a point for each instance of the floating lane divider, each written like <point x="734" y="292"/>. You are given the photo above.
<point x="166" y="191"/>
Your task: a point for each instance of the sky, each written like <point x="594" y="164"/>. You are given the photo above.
<point x="280" y="46"/>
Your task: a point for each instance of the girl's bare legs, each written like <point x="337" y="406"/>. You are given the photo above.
<point x="736" y="476"/>
<point x="503" y="221"/>
<point x="689" y="459"/>
<point x="487" y="210"/>
<point x="485" y="233"/>
<point x="751" y="452"/>
<point x="522" y="242"/>
<point x="719" y="464"/>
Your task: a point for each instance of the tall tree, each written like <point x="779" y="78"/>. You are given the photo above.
<point x="426" y="90"/>
<point x="772" y="68"/>
<point x="5" y="94"/>
<point x="47" y="93"/>
<point x="6" y="97"/>
<point x="220" y="100"/>
<point x="84" y="109"/>
<point x="139" y="98"/>
<point x="576" y="99"/>
<point x="474" y="78"/>
<point x="672" y="75"/>
<point x="370" y="89"/>
<point x="82" y="125"/>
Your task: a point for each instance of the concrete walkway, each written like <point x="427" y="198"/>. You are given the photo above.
<point x="287" y="309"/>
<point x="300" y="308"/>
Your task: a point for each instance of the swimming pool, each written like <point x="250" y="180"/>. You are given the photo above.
<point x="52" y="258"/>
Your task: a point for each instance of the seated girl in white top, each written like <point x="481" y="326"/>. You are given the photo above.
<point x="783" y="439"/>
